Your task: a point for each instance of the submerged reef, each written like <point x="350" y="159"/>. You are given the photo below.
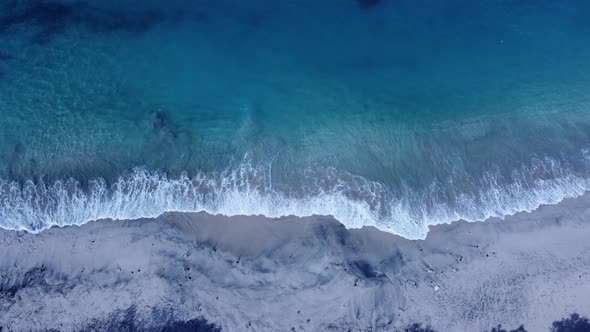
<point x="52" y="18"/>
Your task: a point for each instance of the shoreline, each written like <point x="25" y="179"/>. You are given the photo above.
<point x="258" y="274"/>
<point x="144" y="194"/>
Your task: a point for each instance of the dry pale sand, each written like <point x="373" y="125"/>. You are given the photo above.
<point x="194" y="271"/>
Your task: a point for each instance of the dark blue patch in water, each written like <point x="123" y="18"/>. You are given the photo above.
<point x="103" y="21"/>
<point x="41" y="13"/>
<point x="5" y="56"/>
<point x="160" y="120"/>
<point x="365" y="4"/>
<point x="47" y="34"/>
<point x="53" y="18"/>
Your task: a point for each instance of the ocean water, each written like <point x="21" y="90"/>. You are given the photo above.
<point x="395" y="113"/>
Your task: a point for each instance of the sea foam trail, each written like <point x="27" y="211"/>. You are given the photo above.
<point x="248" y="190"/>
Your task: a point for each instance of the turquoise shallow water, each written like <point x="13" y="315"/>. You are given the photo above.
<point x="401" y="115"/>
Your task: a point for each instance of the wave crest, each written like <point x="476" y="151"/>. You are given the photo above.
<point x="248" y="190"/>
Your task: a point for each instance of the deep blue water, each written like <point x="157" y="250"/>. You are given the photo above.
<point x="397" y="113"/>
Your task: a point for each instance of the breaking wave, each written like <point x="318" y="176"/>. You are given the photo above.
<point x="249" y="190"/>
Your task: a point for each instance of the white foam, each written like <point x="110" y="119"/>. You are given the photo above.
<point x="248" y="190"/>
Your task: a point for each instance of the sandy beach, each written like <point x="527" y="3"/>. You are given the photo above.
<point x="304" y="165"/>
<point x="249" y="273"/>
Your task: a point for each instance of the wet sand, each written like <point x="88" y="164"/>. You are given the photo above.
<point x="301" y="274"/>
